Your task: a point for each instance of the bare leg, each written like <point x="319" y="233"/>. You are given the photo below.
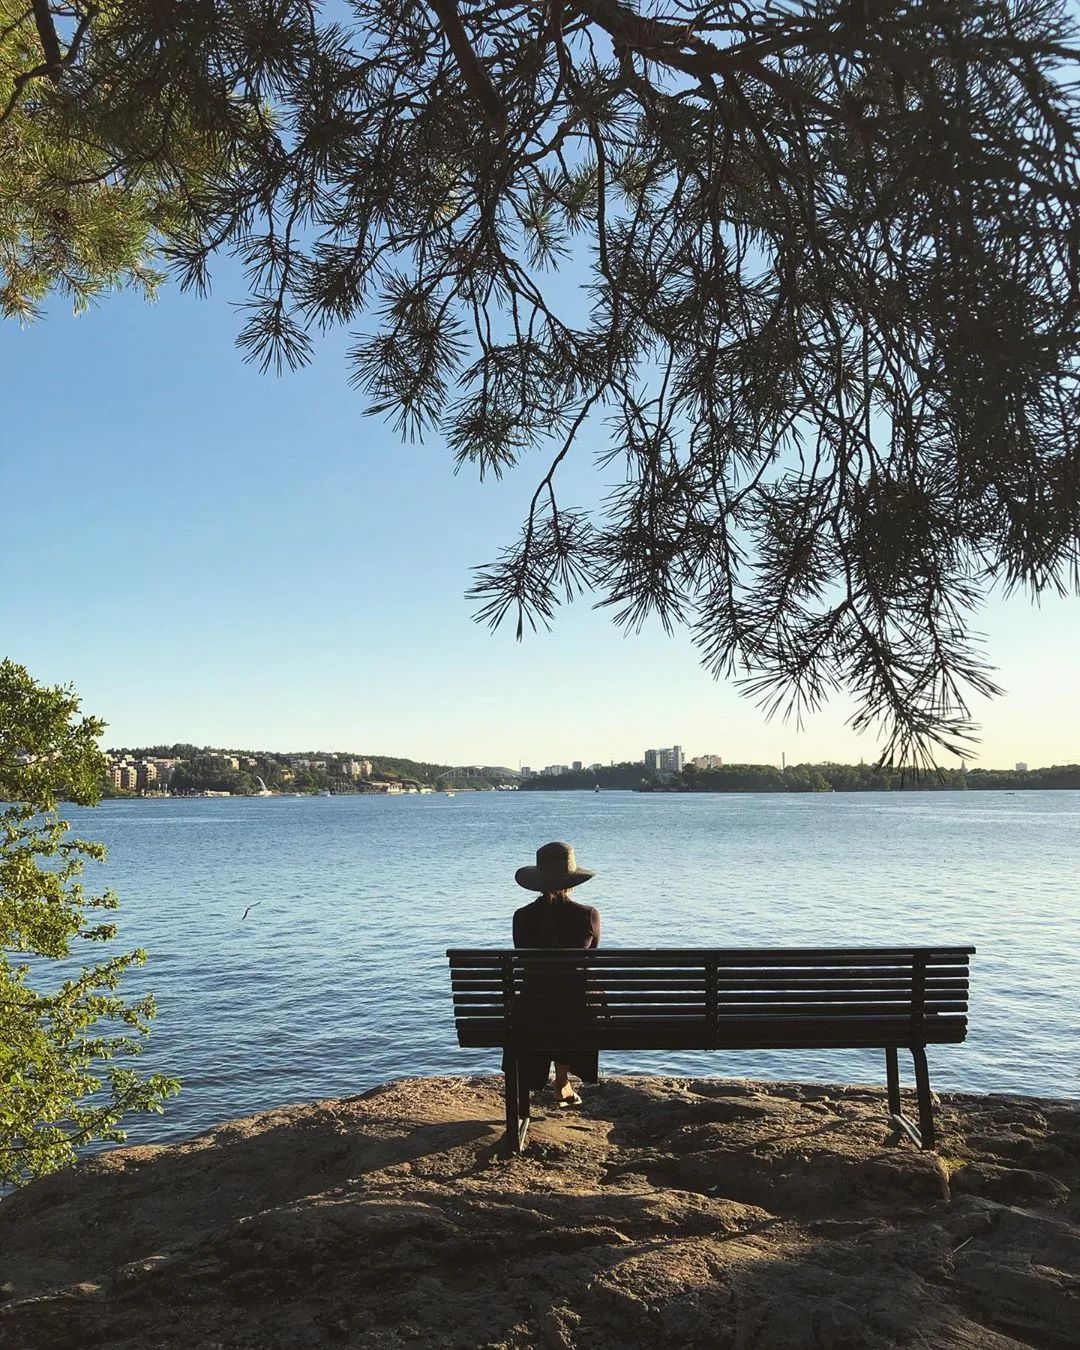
<point x="562" y="1081"/>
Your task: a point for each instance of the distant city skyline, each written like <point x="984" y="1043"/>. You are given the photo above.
<point x="214" y="556"/>
<point x="354" y="764"/>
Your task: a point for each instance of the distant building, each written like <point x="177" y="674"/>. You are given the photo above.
<point x="1021" y="767"/>
<point x="668" y="760"/>
<point x="128" y="778"/>
<point x="164" y="770"/>
<point x="577" y="766"/>
<point x="146" y="775"/>
<point x="356" y="768"/>
<point x="556" y="769"/>
<point x="525" y="771"/>
<point x="707" y="762"/>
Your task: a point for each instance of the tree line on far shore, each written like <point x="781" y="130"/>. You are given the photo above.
<point x="826" y="777"/>
<point x="202" y="769"/>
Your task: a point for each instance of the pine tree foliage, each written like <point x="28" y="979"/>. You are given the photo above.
<point x="63" y="1034"/>
<point x="802" y="276"/>
<point x="88" y="189"/>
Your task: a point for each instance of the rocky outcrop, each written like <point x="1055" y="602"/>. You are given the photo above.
<point x="663" y="1213"/>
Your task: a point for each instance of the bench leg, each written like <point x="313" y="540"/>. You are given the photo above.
<point x="524" y="1110"/>
<point x="922" y="1135"/>
<point x="922" y="1086"/>
<point x="510" y="1079"/>
<point x="517" y="1107"/>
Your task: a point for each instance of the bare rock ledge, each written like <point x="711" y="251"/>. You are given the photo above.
<point x="664" y="1213"/>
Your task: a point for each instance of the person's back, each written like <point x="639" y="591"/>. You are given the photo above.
<point x="553" y="920"/>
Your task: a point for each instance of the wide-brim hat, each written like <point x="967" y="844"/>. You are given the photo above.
<point x="556" y="870"/>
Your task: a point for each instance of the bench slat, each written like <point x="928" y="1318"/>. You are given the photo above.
<point x="658" y="954"/>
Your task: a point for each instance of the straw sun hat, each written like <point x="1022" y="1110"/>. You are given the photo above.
<point x="556" y="870"/>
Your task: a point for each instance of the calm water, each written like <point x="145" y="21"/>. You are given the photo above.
<point x="337" y="979"/>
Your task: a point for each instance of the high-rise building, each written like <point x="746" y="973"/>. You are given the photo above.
<point x="707" y="762"/>
<point x="525" y="771"/>
<point x="668" y="760"/>
<point x="577" y="766"/>
<point x="1021" y="767"/>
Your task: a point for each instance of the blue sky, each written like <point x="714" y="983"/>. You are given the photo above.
<point x="219" y="556"/>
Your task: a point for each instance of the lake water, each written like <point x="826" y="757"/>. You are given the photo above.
<point x="337" y="979"/>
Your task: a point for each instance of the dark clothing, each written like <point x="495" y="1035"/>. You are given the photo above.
<point x="555" y="923"/>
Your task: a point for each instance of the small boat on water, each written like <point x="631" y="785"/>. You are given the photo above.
<point x="449" y="792"/>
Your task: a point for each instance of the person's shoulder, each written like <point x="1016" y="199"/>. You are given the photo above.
<point x="590" y="910"/>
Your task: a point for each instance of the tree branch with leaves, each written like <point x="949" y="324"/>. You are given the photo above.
<point x="63" y="1041"/>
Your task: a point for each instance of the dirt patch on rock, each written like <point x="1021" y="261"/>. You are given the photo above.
<point x="664" y="1213"/>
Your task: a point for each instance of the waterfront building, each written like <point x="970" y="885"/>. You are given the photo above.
<point x="577" y="766"/>
<point x="163" y="770"/>
<point x="707" y="762"/>
<point x="668" y="760"/>
<point x="525" y="771"/>
<point x="1021" y="767"/>
<point x="356" y="768"/>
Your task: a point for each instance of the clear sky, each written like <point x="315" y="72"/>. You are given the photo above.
<point x="217" y="556"/>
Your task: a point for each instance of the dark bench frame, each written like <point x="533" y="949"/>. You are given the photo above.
<point x="889" y="998"/>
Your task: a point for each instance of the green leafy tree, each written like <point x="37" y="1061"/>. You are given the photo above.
<point x="823" y="300"/>
<point x="60" y="1039"/>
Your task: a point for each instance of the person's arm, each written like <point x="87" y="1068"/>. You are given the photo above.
<point x="594" y="919"/>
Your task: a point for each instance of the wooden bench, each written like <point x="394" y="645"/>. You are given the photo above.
<point x="795" y="998"/>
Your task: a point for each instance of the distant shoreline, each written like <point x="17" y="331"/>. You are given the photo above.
<point x="638" y="791"/>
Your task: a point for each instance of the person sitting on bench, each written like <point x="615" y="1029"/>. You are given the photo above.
<point x="554" y="920"/>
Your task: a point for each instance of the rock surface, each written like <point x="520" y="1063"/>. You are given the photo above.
<point x="663" y="1213"/>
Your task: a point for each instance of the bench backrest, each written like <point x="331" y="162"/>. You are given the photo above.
<point x="710" y="998"/>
